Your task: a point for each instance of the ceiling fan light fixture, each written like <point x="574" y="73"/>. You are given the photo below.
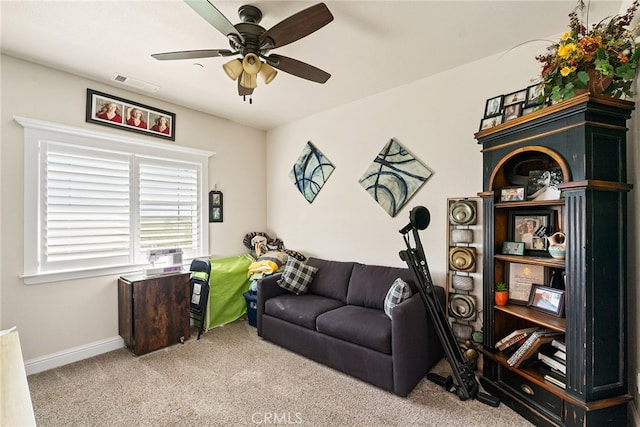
<point x="267" y="73"/>
<point x="233" y="69"/>
<point x="249" y="81"/>
<point x="251" y="64"/>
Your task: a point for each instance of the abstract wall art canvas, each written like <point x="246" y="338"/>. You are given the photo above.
<point x="394" y="177"/>
<point x="310" y="172"/>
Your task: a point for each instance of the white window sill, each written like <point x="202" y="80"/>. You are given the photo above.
<point x="36" y="279"/>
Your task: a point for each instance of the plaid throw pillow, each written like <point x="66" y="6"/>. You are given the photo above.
<point x="398" y="292"/>
<point x="297" y="276"/>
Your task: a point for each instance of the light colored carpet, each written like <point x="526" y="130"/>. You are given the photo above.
<point x="231" y="377"/>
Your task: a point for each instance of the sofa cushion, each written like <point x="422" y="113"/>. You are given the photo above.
<point x="299" y="309"/>
<point x="398" y="292"/>
<point x="363" y="326"/>
<point x="369" y="284"/>
<point x="332" y="278"/>
<point x="297" y="276"/>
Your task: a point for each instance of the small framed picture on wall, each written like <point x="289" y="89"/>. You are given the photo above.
<point x="215" y="206"/>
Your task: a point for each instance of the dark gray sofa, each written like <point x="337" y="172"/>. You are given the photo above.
<point x="340" y="322"/>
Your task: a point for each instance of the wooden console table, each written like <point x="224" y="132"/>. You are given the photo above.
<point x="153" y="312"/>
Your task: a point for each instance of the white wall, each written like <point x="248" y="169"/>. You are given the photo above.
<point x="435" y="119"/>
<point x="56" y="317"/>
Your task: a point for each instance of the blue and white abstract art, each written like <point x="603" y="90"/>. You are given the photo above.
<point x="393" y="177"/>
<point x="310" y="172"/>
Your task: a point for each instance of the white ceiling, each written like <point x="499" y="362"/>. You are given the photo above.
<point x="370" y="47"/>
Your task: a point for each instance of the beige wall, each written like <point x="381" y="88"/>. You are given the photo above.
<point x="435" y="119"/>
<point x="56" y="317"/>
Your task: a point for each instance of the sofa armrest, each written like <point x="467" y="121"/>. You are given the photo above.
<point x="267" y="288"/>
<point x="415" y="344"/>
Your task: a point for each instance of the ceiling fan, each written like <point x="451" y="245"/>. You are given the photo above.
<point x="252" y="42"/>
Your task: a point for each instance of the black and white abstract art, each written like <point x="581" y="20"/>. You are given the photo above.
<point x="310" y="172"/>
<point x="394" y="177"/>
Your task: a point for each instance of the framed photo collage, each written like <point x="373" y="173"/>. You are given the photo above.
<point x="502" y="108"/>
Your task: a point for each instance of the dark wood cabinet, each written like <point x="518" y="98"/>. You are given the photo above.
<point x="153" y="312"/>
<point x="586" y="138"/>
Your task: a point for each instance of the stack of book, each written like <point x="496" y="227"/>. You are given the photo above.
<point x="531" y="345"/>
<point x="554" y="363"/>
<point x="509" y="344"/>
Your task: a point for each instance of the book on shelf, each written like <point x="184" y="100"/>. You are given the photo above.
<point x="560" y="355"/>
<point x="548" y="370"/>
<point x="514" y="347"/>
<point x="559" y="345"/>
<point x="552" y="362"/>
<point x="555" y="381"/>
<point x="514" y="338"/>
<point x="532" y="345"/>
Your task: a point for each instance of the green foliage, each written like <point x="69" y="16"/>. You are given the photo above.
<point x="609" y="48"/>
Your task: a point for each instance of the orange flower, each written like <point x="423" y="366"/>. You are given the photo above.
<point x="589" y="46"/>
<point x="623" y="58"/>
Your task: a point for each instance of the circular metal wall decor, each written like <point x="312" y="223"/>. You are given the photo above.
<point x="462" y="259"/>
<point x="462" y="283"/>
<point x="462" y="236"/>
<point x="462" y="331"/>
<point x="462" y="307"/>
<point x="462" y="212"/>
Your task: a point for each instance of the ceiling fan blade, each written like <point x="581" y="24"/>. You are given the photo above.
<point x="296" y="26"/>
<point x="214" y="17"/>
<point x="298" y="68"/>
<point x="192" y="54"/>
<point x="243" y="91"/>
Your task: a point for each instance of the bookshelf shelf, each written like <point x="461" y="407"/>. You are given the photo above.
<point x="585" y="139"/>
<point x="544" y="261"/>
<point x="541" y="319"/>
<point x="529" y="204"/>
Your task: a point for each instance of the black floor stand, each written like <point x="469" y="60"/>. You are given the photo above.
<point x="464" y="382"/>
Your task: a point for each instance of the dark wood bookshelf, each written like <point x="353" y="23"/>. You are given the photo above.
<point x="585" y="137"/>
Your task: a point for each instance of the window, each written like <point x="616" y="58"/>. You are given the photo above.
<point x="95" y="203"/>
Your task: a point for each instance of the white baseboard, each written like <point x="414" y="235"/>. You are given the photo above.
<point x="44" y="363"/>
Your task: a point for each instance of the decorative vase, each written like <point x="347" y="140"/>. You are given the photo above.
<point x="502" y="297"/>
<point x="557" y="245"/>
<point x="597" y="83"/>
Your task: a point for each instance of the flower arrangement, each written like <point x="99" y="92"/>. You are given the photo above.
<point x="604" y="56"/>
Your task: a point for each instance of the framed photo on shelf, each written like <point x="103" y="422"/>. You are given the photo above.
<point x="534" y="92"/>
<point x="533" y="108"/>
<point x="523" y="226"/>
<point x="521" y="279"/>
<point x="512" y="112"/>
<point x="490" y="122"/>
<point x="515" y="97"/>
<point x="513" y="194"/>
<point x="215" y="206"/>
<point x="547" y="300"/>
<point x="513" y="248"/>
<point x="493" y="107"/>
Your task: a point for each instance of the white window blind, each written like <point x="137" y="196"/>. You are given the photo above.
<point x="87" y="208"/>
<point x="169" y="210"/>
<point x="94" y="203"/>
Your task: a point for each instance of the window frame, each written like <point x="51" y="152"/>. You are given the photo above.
<point x="38" y="130"/>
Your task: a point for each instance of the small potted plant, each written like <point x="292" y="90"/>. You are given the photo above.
<point x="501" y="293"/>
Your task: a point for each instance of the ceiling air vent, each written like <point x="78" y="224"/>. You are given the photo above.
<point x="138" y="84"/>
